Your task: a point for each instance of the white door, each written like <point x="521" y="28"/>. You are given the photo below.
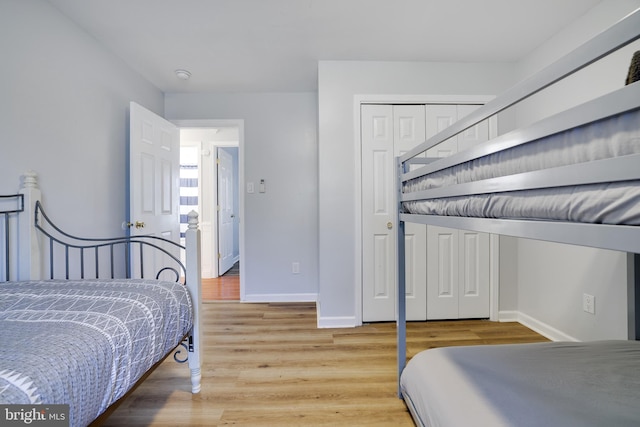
<point x="409" y="131"/>
<point x="458" y="274"/>
<point x="225" y="211"/>
<point x="154" y="180"/>
<point x="378" y="214"/>
<point x="387" y="131"/>
<point x="458" y="260"/>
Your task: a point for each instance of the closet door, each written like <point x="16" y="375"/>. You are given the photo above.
<point x="409" y="131"/>
<point x="386" y="132"/>
<point x="442" y="273"/>
<point x="378" y="214"/>
<point x="457" y="260"/>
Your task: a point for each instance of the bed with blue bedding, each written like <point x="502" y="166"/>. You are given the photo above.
<point x="119" y="329"/>
<point x="84" y="320"/>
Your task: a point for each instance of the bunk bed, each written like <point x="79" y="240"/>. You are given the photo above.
<point x="573" y="178"/>
<point x="85" y="320"/>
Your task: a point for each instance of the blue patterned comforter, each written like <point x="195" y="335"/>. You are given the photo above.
<point x="85" y="343"/>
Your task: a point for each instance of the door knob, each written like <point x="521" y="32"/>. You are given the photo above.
<point x="389" y="225"/>
<point x="137" y="224"/>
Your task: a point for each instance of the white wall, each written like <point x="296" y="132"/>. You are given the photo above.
<point x="339" y="82"/>
<point x="64" y="113"/>
<point x="280" y="146"/>
<point x="553" y="277"/>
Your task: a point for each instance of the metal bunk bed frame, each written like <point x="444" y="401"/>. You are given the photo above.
<point x="614" y="237"/>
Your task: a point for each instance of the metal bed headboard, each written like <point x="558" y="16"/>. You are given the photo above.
<point x="85" y="258"/>
<point x="14" y="205"/>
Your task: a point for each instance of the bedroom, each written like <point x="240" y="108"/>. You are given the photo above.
<point x="46" y="82"/>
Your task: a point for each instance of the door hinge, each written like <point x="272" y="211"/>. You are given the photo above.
<point x="219" y="255"/>
<point x="217" y="161"/>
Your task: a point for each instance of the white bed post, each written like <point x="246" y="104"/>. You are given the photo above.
<point x="193" y="281"/>
<point x="401" y="322"/>
<point x="28" y="244"/>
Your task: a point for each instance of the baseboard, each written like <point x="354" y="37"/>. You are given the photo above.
<point x="542" y="328"/>
<point x="507" y="316"/>
<point x="310" y="297"/>
<point x="336" y="322"/>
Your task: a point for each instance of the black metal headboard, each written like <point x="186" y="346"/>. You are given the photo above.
<point x="66" y="256"/>
<point x="10" y="206"/>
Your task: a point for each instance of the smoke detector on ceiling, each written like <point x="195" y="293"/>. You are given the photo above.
<point x="183" y="74"/>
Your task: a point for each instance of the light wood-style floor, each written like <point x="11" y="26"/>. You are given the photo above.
<point x="268" y="365"/>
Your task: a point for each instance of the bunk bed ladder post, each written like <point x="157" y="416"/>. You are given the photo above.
<point x="633" y="296"/>
<point x="401" y="322"/>
<point x="193" y="280"/>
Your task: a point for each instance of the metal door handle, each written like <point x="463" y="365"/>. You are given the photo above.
<point x="389" y="225"/>
<point x="137" y="224"/>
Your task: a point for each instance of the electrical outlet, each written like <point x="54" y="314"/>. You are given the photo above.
<point x="589" y="303"/>
<point x="295" y="268"/>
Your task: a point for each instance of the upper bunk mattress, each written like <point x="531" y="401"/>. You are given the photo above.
<point x="542" y="384"/>
<point x="609" y="203"/>
<point x="85" y="343"/>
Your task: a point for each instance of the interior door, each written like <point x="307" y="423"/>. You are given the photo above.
<point x="154" y="180"/>
<point x="225" y="211"/>
<point x="388" y="131"/>
<point x="458" y="260"/>
<point x="378" y="214"/>
<point x="409" y="131"/>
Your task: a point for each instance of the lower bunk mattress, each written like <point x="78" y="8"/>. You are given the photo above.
<point x="542" y="384"/>
<point x="85" y="343"/>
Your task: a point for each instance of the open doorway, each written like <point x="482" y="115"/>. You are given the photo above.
<point x="210" y="179"/>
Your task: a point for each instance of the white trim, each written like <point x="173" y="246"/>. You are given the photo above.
<point x="307" y="297"/>
<point x="422" y="99"/>
<point x="238" y="123"/>
<point x="337" y="322"/>
<point x="494" y="277"/>
<point x="535" y="325"/>
<point x="405" y="99"/>
<point x="508" y="316"/>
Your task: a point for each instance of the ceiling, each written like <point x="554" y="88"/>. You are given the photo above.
<point x="275" y="45"/>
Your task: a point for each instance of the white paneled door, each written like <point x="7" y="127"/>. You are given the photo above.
<point x="458" y="261"/>
<point x="447" y="271"/>
<point x="388" y="131"/>
<point x="154" y="174"/>
<point x="225" y="211"/>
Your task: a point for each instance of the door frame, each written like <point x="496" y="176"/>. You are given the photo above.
<point x="237" y="123"/>
<point x="359" y="100"/>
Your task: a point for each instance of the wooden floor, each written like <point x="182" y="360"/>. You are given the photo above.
<point x="223" y="288"/>
<point x="268" y="365"/>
